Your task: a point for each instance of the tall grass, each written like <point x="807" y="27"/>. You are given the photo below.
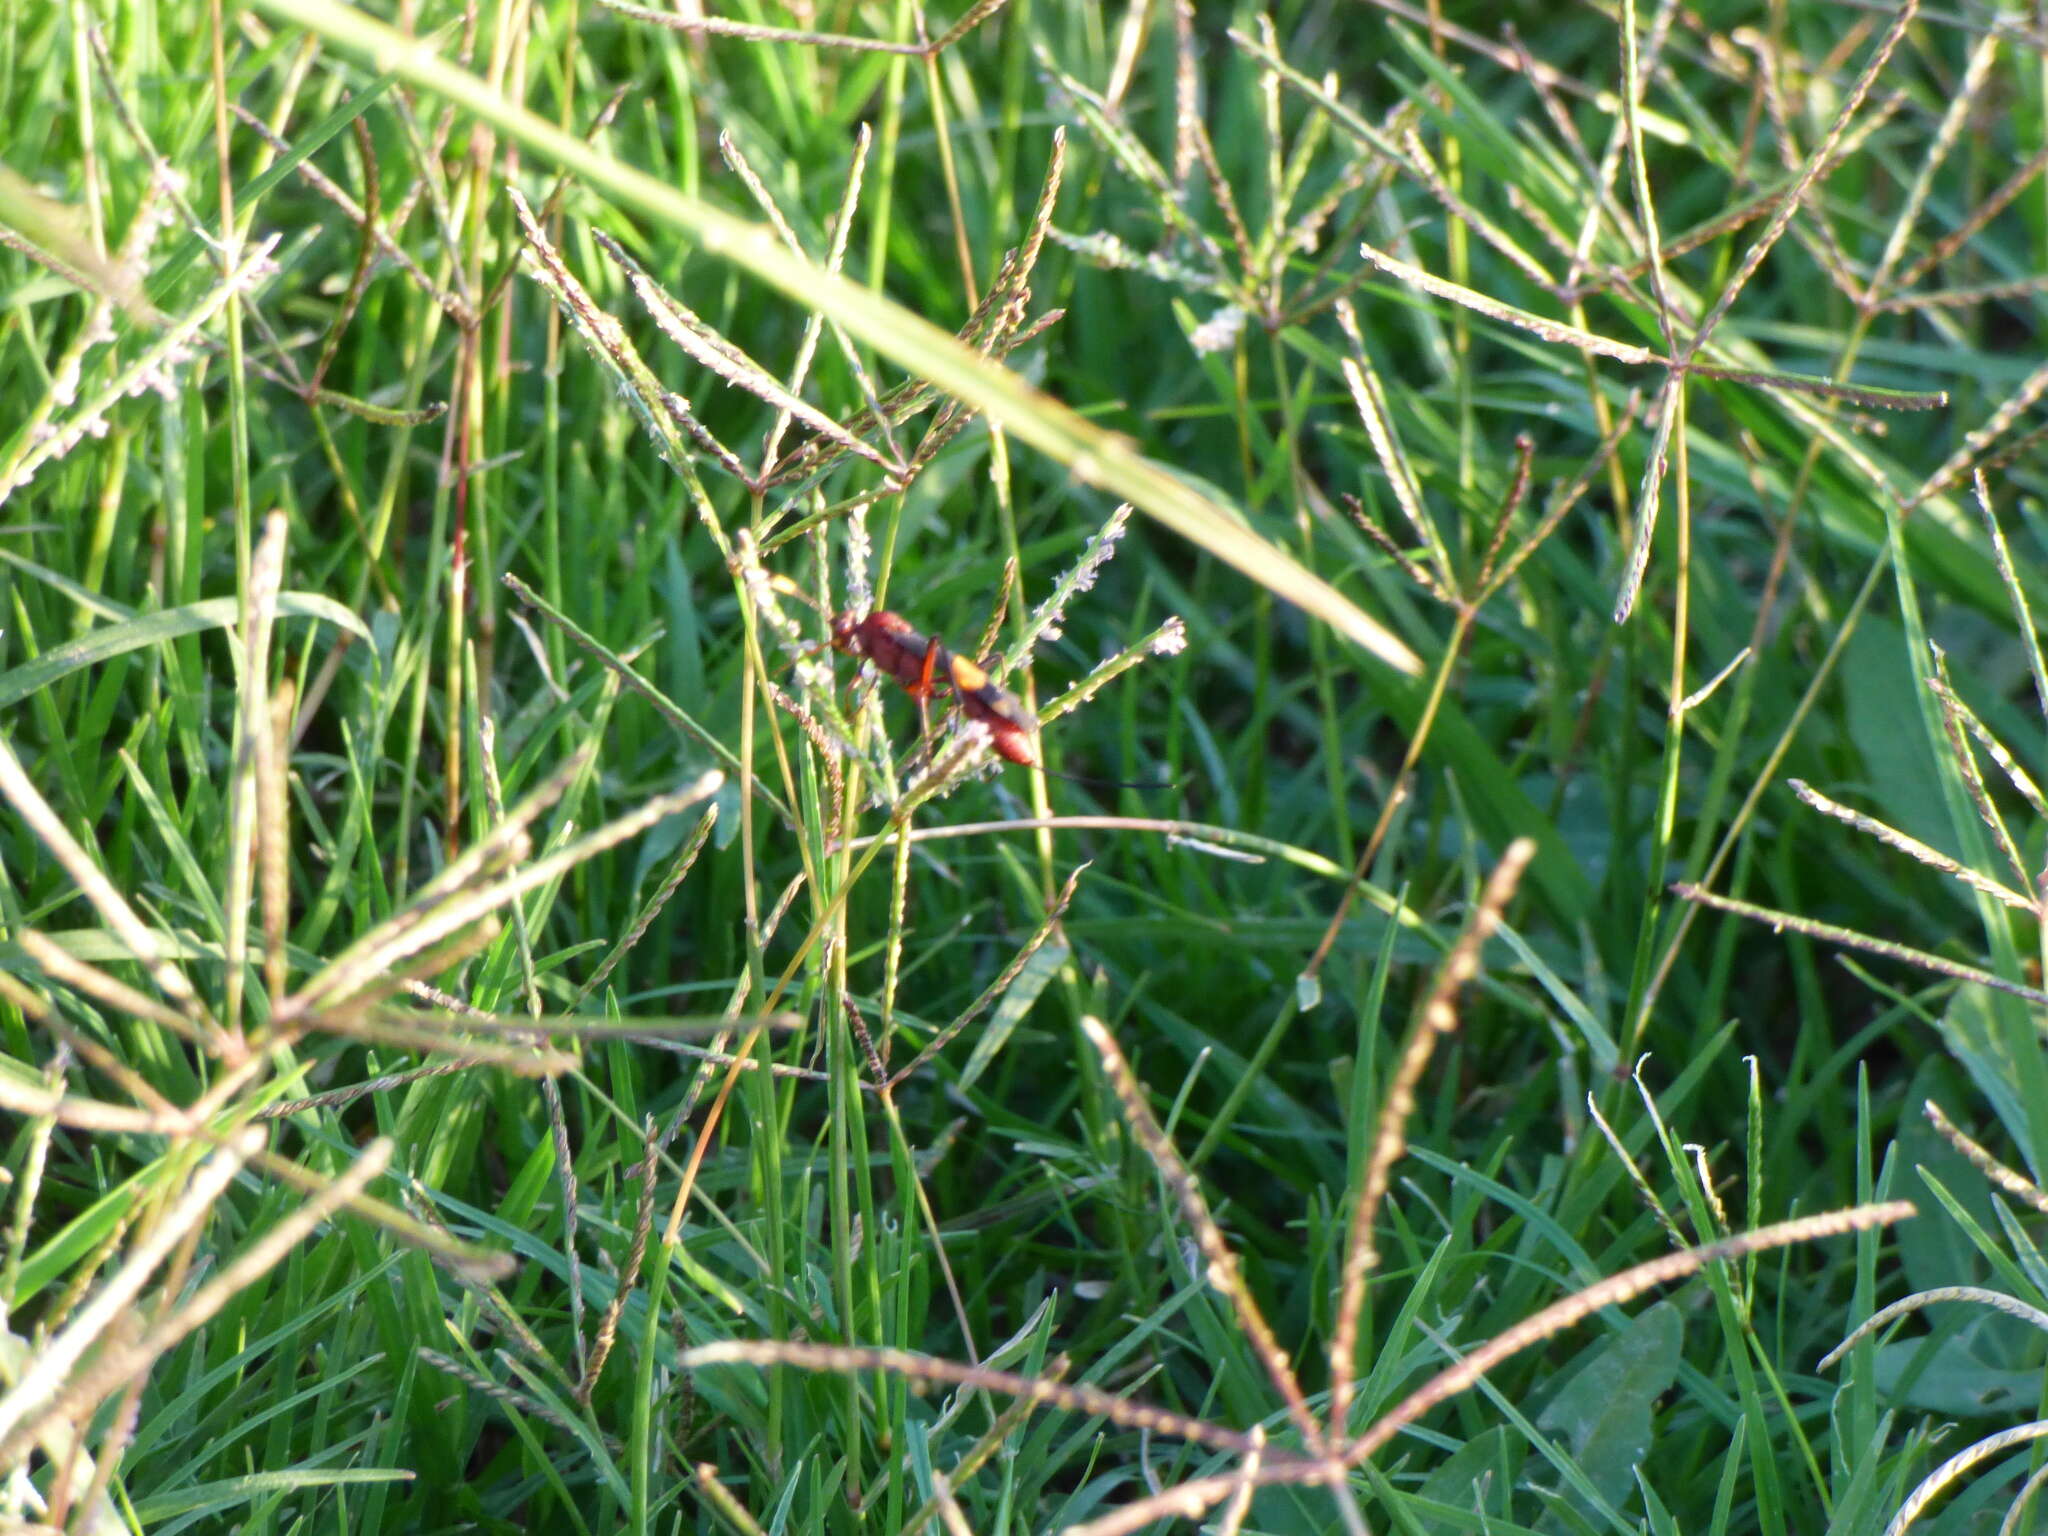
<point x="1480" y="757"/>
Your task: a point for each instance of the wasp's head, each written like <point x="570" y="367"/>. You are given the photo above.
<point x="846" y="633"/>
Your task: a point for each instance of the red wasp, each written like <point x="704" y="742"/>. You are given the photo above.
<point x="924" y="666"/>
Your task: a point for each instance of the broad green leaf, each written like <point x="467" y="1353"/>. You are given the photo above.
<point x="1606" y="1414"/>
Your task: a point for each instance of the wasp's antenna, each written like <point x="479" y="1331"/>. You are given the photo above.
<point x="784" y="587"/>
<point x="1092" y="783"/>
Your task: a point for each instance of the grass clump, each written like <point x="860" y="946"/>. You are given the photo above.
<point x="505" y="1026"/>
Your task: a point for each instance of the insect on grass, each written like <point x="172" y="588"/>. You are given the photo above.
<point x="925" y="667"/>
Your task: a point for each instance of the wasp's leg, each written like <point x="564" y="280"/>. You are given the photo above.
<point x="921" y="690"/>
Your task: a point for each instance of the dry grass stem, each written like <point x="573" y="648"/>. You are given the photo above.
<point x="1828" y="933"/>
<point x="1047" y="927"/>
<point x="137" y="937"/>
<point x="1189" y="1500"/>
<point x="2011" y="1180"/>
<point x="127" y="1363"/>
<point x="685" y="861"/>
<point x="2037" y="663"/>
<point x="51" y="1366"/>
<point x="440" y="919"/>
<point x="721" y="1500"/>
<point x="1937" y="1481"/>
<point x="1223" y="1271"/>
<point x="928" y="1370"/>
<point x="636" y="1255"/>
<point x="1611" y="1291"/>
<point x="1912" y="847"/>
<point x="1981" y="437"/>
<point x="1884" y="1317"/>
<point x="1437" y="1016"/>
<point x="1817" y="164"/>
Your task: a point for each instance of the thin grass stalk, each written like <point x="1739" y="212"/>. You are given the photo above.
<point x="1972" y="775"/>
<point x="663" y="705"/>
<point x="892" y="941"/>
<point x="374" y="232"/>
<point x="1815" y="233"/>
<point x="1822" y="158"/>
<point x="2010" y="1525"/>
<point x="2037" y="665"/>
<point x="506" y="842"/>
<point x="60" y="965"/>
<point x="551" y="1092"/>
<point x="495" y="1391"/>
<point x="1608" y="1292"/>
<point x="1828" y="933"/>
<point x="1725" y="762"/>
<point x="1665" y="833"/>
<point x="715" y="353"/>
<point x="1189" y="1500"/>
<point x="1503" y="517"/>
<point x="135" y="936"/>
<point x="125" y="1365"/>
<point x="252" y="726"/>
<point x="1633" y="74"/>
<point x="1562" y="501"/>
<point x="1645" y="1191"/>
<point x="1977" y="218"/>
<point x="498" y="1312"/>
<point x="1919" y="1301"/>
<point x="1980" y="437"/>
<point x="1047" y="927"/>
<point x="346" y="1015"/>
<point x="87" y="1114"/>
<point x="835" y="261"/>
<point x="1308" y="983"/>
<point x="52" y="1364"/>
<point x="34" y="451"/>
<point x="340" y="1098"/>
<point x="1368" y="398"/>
<point x="1424" y="580"/>
<point x="273" y="840"/>
<point x="916" y="344"/>
<point x="679" y="869"/>
<point x="929" y="1370"/>
<point x="1437" y="1016"/>
<point x="86" y="1274"/>
<point x="1222" y="1269"/>
<point x="28" y="1186"/>
<point x="714" y="1493"/>
<point x="636" y="1254"/>
<point x="1462" y="212"/>
<point x="2011" y="1180"/>
<point x="94" y="1512"/>
<point x="1954" y="117"/>
<point x="1649" y="494"/>
<point x="466" y="1260"/>
<point x="1913" y="848"/>
<point x="1555" y="331"/>
<point x="1169" y="639"/>
<point x="337" y="984"/>
<point x="1077" y="579"/>
<point x="102" y="1060"/>
<point x="722" y="26"/>
<point x="1936" y="1482"/>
